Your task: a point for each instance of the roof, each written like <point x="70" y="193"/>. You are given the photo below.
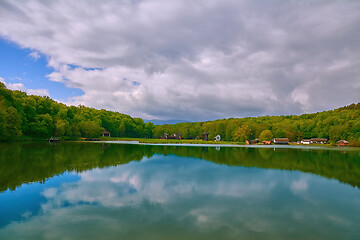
<point x="342" y="141"/>
<point x="106" y="132"/>
<point x="318" y="139"/>
<point x="281" y="139"/>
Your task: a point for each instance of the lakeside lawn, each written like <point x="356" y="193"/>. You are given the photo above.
<point x="167" y="141"/>
<point x="190" y="141"/>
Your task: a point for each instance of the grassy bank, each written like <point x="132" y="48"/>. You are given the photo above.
<point x="166" y="141"/>
<point x="187" y="141"/>
<point x="44" y="139"/>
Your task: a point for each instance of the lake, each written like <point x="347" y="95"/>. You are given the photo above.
<point x="130" y="191"/>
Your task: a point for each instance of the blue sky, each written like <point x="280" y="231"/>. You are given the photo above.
<point x="17" y="66"/>
<point x="188" y="60"/>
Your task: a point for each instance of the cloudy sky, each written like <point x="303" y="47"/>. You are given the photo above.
<point x="190" y="60"/>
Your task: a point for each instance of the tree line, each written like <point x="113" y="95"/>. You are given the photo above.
<point x="35" y="116"/>
<point x="30" y="115"/>
<point x="342" y="123"/>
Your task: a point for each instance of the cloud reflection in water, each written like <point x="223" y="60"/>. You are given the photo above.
<point x="191" y="198"/>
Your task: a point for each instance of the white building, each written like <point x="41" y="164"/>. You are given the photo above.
<point x="306" y="141"/>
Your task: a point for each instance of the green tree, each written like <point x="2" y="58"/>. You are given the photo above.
<point x="42" y="126"/>
<point x="13" y="123"/>
<point x="90" y="128"/>
<point x="265" y="135"/>
<point x="337" y="132"/>
<point x="149" y="130"/>
<point x="242" y="133"/>
<point x="121" y="129"/>
<point x="60" y="127"/>
<point x="3" y="116"/>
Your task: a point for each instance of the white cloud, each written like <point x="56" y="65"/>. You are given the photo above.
<point x="198" y="59"/>
<point x="130" y="184"/>
<point x="40" y="92"/>
<point x="21" y="87"/>
<point x="16" y="86"/>
<point x="299" y="186"/>
<point x="35" y="55"/>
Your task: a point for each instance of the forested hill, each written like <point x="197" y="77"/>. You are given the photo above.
<point x="342" y="123"/>
<point x="30" y="115"/>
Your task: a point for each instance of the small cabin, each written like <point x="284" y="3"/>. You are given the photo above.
<point x="281" y="140"/>
<point x="319" y="140"/>
<point x="306" y="141"/>
<point x="342" y="143"/>
<point x="205" y="136"/>
<point x="105" y="134"/>
<point x="249" y="142"/>
<point x="217" y="138"/>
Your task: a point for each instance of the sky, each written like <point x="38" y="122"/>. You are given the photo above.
<point x="189" y="60"/>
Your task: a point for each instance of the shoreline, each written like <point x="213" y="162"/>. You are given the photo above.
<point x="218" y="145"/>
<point x="199" y="143"/>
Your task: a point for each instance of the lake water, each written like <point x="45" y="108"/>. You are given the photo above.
<point x="127" y="191"/>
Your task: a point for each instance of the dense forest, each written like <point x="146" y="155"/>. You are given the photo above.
<point x="30" y="115"/>
<point x="342" y="123"/>
<point x="35" y="116"/>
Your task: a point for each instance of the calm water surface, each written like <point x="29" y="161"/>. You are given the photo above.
<point x="118" y="191"/>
